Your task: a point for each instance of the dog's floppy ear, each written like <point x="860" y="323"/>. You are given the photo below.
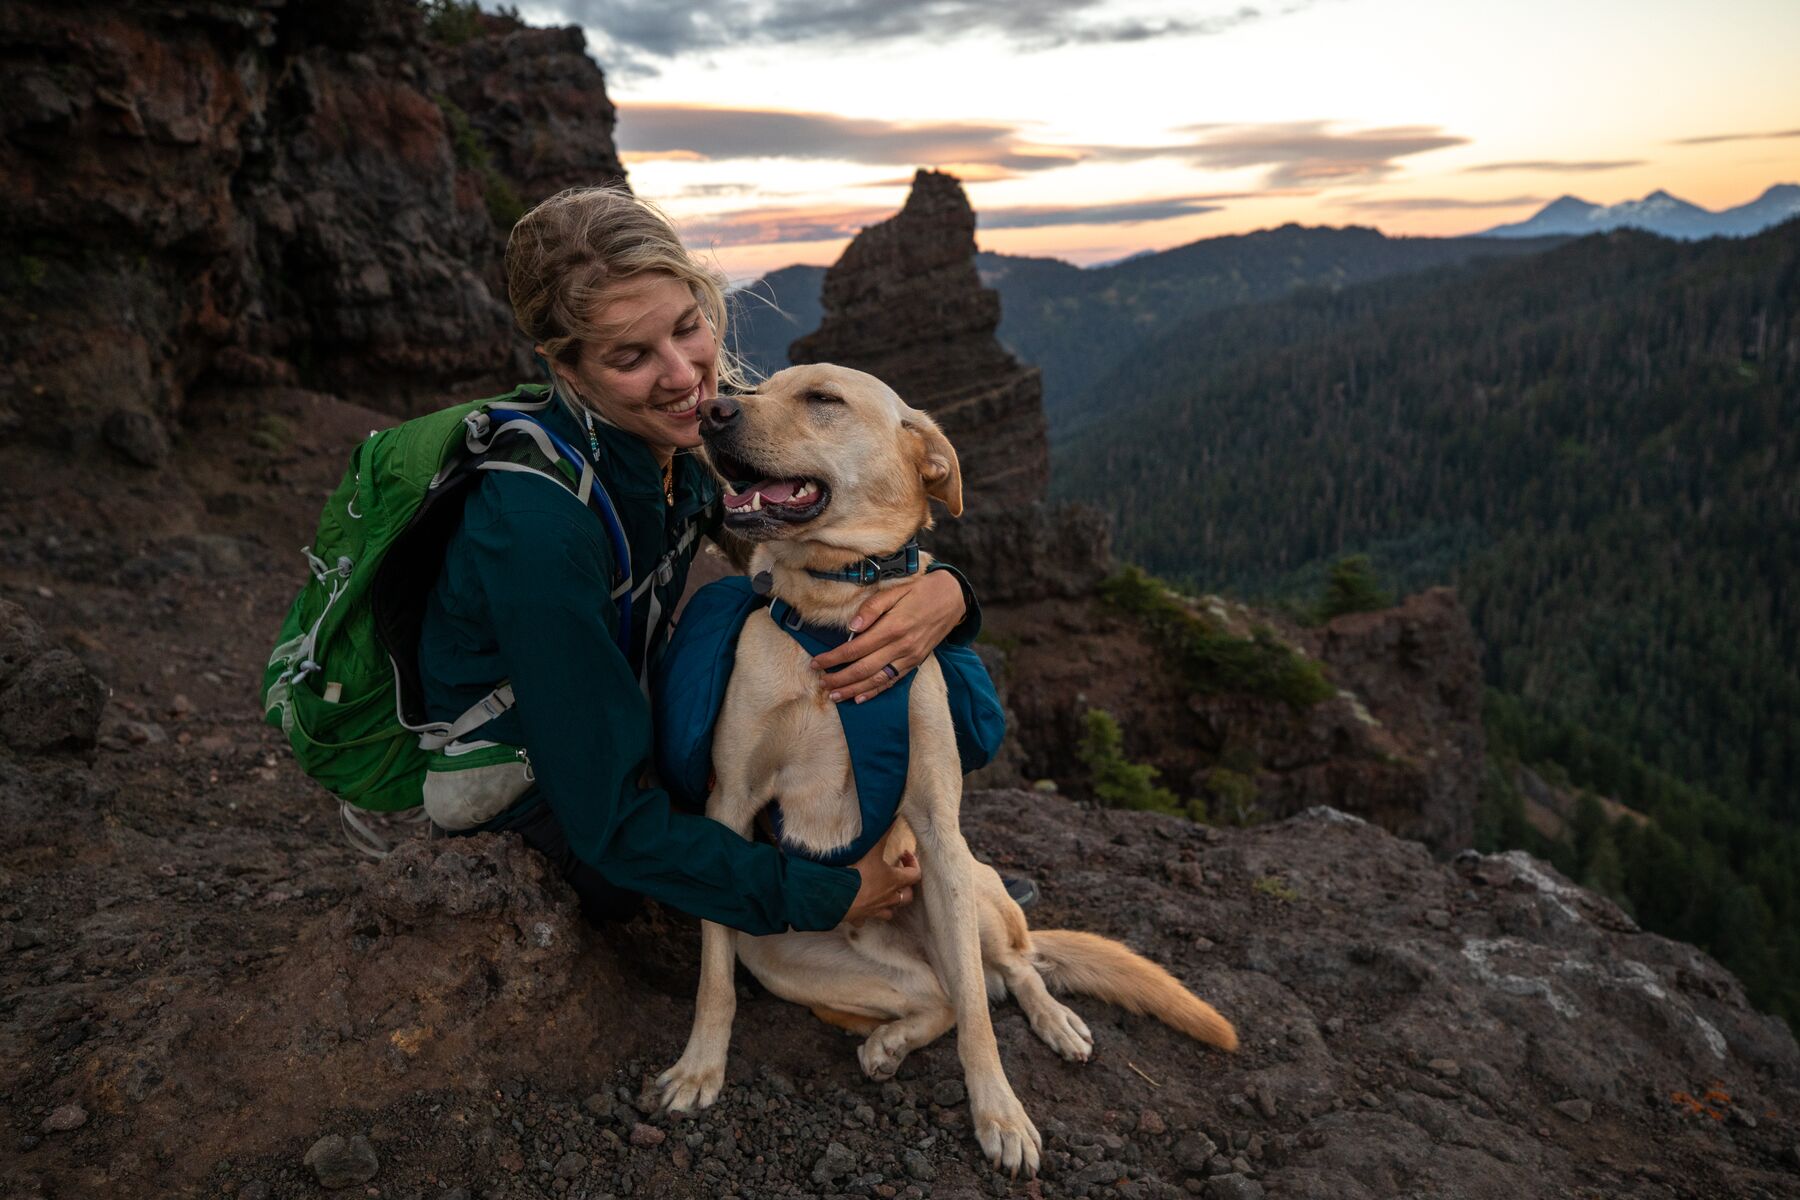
<point x="938" y="465"/>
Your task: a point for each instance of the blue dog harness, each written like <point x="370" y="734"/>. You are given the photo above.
<point x="877" y="733"/>
<point x="688" y="693"/>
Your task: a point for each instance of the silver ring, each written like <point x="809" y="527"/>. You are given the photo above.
<point x="890" y="672"/>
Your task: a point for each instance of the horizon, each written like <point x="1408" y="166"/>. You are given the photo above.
<point x="1093" y="130"/>
<point x="738" y="282"/>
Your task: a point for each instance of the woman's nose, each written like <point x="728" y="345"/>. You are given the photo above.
<point x="680" y="373"/>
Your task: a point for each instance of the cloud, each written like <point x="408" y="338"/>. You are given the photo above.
<point x="1128" y="213"/>
<point x="761" y="226"/>
<point x="1312" y="153"/>
<point x="1434" y="203"/>
<point x="667" y="28"/>
<point x="1736" y="137"/>
<point x="678" y="131"/>
<point x="1302" y="156"/>
<point x="1555" y="165"/>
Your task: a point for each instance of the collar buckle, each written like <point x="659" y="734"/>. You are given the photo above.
<point x="872" y="570"/>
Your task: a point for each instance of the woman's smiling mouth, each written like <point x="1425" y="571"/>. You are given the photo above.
<point x="684" y="407"/>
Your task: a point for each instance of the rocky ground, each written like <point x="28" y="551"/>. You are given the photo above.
<point x="202" y="991"/>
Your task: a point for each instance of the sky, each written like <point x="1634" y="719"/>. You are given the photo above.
<point x="1090" y="130"/>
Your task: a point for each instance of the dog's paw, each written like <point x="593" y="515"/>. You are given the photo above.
<point x="1008" y="1137"/>
<point x="1063" y="1031"/>
<point x="882" y="1054"/>
<point x="690" y="1086"/>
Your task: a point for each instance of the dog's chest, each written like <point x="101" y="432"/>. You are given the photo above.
<point x="832" y="774"/>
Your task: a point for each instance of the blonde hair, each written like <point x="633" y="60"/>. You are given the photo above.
<point x="564" y="254"/>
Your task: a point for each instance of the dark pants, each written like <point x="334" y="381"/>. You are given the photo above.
<point x="601" y="901"/>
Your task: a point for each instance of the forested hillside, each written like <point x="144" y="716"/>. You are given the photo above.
<point x="1599" y="445"/>
<point x="1079" y="325"/>
<point x="1076" y="324"/>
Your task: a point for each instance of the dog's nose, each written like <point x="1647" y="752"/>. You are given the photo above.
<point x="718" y="413"/>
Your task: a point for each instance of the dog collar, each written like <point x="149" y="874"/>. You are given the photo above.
<point x="869" y="570"/>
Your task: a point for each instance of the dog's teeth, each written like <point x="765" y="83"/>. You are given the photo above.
<point x="805" y="489"/>
<point x="756" y="502"/>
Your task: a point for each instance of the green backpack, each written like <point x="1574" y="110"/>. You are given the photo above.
<point x="342" y="682"/>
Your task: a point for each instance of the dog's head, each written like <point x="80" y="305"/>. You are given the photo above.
<point x="828" y="455"/>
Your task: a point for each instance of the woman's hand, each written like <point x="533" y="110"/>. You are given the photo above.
<point x="884" y="889"/>
<point x="896" y="627"/>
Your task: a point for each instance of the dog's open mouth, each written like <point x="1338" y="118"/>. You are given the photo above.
<point x="754" y="501"/>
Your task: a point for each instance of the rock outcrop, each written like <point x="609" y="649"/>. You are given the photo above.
<point x="49" y="701"/>
<point x="268" y="192"/>
<point x="1400" y="744"/>
<point x="1415" y="670"/>
<point x="905" y="303"/>
<point x="1468" y="1030"/>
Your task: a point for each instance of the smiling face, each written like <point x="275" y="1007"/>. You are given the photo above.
<point x="831" y="457"/>
<point x="647" y="360"/>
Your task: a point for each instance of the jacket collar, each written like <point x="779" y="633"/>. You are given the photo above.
<point x="629" y="469"/>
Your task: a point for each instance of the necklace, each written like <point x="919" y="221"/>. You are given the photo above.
<point x="668" y="471"/>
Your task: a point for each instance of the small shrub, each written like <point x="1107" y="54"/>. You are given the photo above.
<point x="1352" y="587"/>
<point x="1116" y="780"/>
<point x="1276" y="888"/>
<point x="1233" y="796"/>
<point x="1211" y="659"/>
<point x="502" y="199"/>
<point x="503" y="203"/>
<point x="452" y="22"/>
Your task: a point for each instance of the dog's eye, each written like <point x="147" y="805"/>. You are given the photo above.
<point x="823" y="398"/>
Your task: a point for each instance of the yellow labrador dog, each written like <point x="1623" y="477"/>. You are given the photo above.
<point x="840" y="468"/>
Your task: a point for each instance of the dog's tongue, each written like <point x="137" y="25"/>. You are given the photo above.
<point x="773" y="491"/>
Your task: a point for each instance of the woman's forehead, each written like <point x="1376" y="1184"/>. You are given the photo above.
<point x="636" y="306"/>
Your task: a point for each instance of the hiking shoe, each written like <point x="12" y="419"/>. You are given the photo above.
<point x="1023" y="889"/>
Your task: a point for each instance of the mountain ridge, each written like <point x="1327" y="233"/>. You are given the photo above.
<point x="1660" y="212"/>
<point x="1073" y="323"/>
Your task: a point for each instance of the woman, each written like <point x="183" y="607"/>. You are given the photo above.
<point x="632" y="330"/>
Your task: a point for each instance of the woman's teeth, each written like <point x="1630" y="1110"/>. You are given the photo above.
<point x="686" y="404"/>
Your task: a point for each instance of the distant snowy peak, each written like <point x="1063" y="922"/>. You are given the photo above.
<point x="1660" y="213"/>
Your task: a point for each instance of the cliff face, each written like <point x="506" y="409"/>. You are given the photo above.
<point x="1400" y="744"/>
<point x="906" y="303"/>
<point x="268" y="193"/>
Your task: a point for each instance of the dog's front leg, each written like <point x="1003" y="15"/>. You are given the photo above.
<point x="947" y="889"/>
<point x="695" y="1079"/>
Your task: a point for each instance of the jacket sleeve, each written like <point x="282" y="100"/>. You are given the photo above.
<point x="969" y="628"/>
<point x="544" y="566"/>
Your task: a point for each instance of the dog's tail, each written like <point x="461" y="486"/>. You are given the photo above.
<point x="1090" y="965"/>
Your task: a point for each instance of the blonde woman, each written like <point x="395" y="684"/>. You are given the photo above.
<point x="632" y="329"/>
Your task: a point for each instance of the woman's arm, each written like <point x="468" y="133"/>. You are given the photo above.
<point x="544" y="568"/>
<point x="901" y="625"/>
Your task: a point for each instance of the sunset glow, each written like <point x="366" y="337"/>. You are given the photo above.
<point x="1088" y="130"/>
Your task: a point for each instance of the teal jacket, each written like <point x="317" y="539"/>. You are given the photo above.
<point x="524" y="596"/>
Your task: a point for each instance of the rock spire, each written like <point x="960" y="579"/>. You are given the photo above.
<point x="905" y="303"/>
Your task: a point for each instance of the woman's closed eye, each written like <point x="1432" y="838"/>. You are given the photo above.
<point x="631" y="359"/>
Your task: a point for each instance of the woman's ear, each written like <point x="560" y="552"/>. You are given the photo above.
<point x="560" y="377"/>
<point x="938" y="465"/>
